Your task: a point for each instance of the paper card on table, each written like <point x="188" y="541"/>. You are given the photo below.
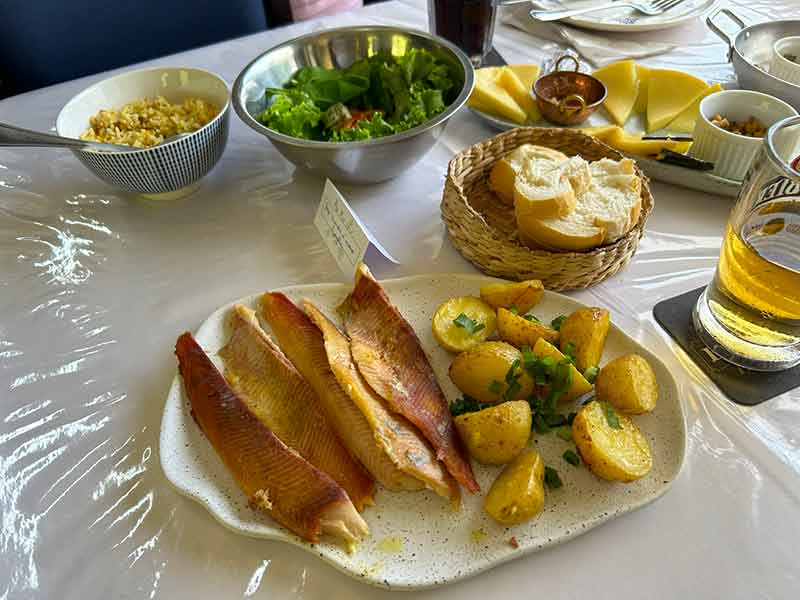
<point x="345" y="235"/>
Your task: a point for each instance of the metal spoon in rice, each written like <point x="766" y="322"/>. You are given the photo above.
<point x="17" y="136"/>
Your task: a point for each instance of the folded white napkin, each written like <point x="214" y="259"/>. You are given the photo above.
<point x="599" y="48"/>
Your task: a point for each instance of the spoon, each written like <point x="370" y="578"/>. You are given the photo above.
<point x="17" y="136"/>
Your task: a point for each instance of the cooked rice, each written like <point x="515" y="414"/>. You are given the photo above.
<point x="149" y="121"/>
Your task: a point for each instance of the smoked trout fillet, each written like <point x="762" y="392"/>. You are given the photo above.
<point x="302" y="342"/>
<point x="389" y="356"/>
<point x="402" y="442"/>
<point x="278" y="395"/>
<point x="275" y="478"/>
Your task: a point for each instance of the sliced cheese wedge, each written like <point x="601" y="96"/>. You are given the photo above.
<point x="643" y="75"/>
<point x="601" y="132"/>
<point x="522" y="95"/>
<point x="621" y="87"/>
<point x="603" y="213"/>
<point x="669" y="93"/>
<point x="504" y="171"/>
<point x="489" y="96"/>
<point x="685" y="121"/>
<point x="527" y="74"/>
<point x="632" y="143"/>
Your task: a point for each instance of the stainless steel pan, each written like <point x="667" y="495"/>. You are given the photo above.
<point x="750" y="51"/>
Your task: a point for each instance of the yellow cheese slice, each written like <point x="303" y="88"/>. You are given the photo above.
<point x="632" y="143"/>
<point x="621" y="87"/>
<point x="643" y="75"/>
<point x="601" y="132"/>
<point x="669" y="93"/>
<point x="686" y="120"/>
<point x="527" y="74"/>
<point x="522" y="95"/>
<point x="489" y="97"/>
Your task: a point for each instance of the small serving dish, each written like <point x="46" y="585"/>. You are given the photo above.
<point x="785" y="63"/>
<point x="568" y="97"/>
<point x="170" y="169"/>
<point x="731" y="152"/>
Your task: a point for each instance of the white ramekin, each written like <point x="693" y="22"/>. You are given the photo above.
<point x="732" y="153"/>
<point x="780" y="66"/>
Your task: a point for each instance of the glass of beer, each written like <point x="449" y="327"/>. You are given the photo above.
<point x="750" y="313"/>
<point x="469" y="24"/>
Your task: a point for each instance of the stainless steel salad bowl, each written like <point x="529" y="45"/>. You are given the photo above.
<point x="368" y="161"/>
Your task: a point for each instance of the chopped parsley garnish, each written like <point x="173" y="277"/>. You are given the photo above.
<point x="569" y="351"/>
<point x="591" y="374"/>
<point x="531" y="318"/>
<point x="556" y="323"/>
<point x="564" y="432"/>
<point x="464" y="405"/>
<point x="539" y="424"/>
<point x="551" y="478"/>
<point x="571" y="458"/>
<point x="513" y="310"/>
<point x="496" y="387"/>
<point x="611" y="416"/>
<point x="465" y="322"/>
<point x="512" y="380"/>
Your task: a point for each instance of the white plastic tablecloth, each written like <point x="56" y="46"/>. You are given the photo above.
<point x="95" y="286"/>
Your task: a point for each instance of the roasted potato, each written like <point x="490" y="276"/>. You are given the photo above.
<point x="461" y="323"/>
<point x="496" y="435"/>
<point x="522" y="295"/>
<point x="586" y="329"/>
<point x="482" y="372"/>
<point x="579" y="385"/>
<point x="616" y="454"/>
<point x="517" y="495"/>
<point x="628" y="384"/>
<point x="520" y="332"/>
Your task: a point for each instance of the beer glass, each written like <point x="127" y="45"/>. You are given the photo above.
<point x="750" y="313"/>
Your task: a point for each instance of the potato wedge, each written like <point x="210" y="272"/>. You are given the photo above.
<point x="522" y="295"/>
<point x="579" y="385"/>
<point x="461" y="323"/>
<point x="628" y="384"/>
<point x="586" y="329"/>
<point x="517" y="495"/>
<point x="520" y="332"/>
<point x="482" y="372"/>
<point x="496" y="435"/>
<point x="615" y="454"/>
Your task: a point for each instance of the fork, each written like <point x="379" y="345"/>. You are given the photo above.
<point x="654" y="7"/>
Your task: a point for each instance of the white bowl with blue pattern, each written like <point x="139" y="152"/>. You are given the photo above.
<point x="170" y="169"/>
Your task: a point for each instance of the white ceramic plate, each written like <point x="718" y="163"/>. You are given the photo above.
<point x="655" y="169"/>
<point x="422" y="543"/>
<point x="630" y="20"/>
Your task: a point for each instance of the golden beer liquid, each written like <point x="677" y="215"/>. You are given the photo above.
<point x="756" y="291"/>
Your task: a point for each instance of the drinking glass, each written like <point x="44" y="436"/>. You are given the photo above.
<point x="750" y="313"/>
<point x="469" y="24"/>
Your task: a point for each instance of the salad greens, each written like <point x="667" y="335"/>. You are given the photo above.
<point x="374" y="97"/>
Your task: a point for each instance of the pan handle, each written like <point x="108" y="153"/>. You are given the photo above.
<point x="724" y="35"/>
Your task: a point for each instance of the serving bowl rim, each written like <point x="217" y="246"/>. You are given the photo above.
<point x="79" y="96"/>
<point x="450" y="110"/>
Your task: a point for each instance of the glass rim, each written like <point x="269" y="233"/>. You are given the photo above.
<point x="772" y="153"/>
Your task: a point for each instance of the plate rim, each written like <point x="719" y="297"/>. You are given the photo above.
<point x="281" y="534"/>
<point x="593" y="25"/>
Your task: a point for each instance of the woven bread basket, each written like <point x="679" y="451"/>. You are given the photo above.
<point x="484" y="230"/>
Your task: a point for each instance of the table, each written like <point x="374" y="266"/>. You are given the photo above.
<point x="95" y="286"/>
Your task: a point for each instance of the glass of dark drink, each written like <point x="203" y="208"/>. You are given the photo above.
<point x="469" y="24"/>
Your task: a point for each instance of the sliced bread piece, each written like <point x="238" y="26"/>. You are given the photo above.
<point x="603" y="213"/>
<point x="544" y="190"/>
<point x="504" y="171"/>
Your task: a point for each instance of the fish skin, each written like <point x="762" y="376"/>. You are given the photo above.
<point x="302" y="342"/>
<point x="389" y="355"/>
<point x="401" y="441"/>
<point x="275" y="478"/>
<point x="283" y="400"/>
